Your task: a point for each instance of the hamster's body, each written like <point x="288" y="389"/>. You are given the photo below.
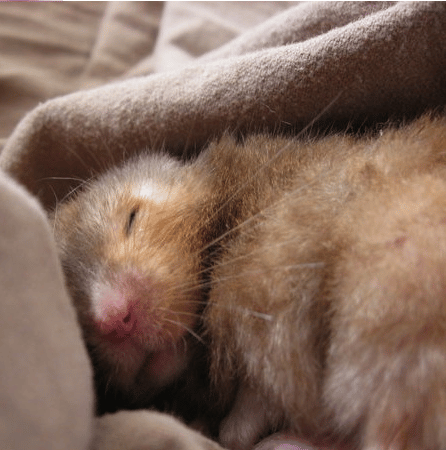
<point x="313" y="272"/>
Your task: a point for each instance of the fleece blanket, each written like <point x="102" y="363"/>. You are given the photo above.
<point x="86" y="85"/>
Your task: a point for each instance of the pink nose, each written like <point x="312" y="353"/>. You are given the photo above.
<point x="114" y="311"/>
<point x="120" y="322"/>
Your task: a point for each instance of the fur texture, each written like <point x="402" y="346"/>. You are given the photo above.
<point x="305" y="278"/>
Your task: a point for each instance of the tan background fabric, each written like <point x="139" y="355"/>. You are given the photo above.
<point x="84" y="85"/>
<point x="45" y="378"/>
<point x="353" y="62"/>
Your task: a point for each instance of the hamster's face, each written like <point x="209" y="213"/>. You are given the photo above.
<point x="130" y="249"/>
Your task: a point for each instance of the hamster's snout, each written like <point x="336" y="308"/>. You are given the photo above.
<point x="132" y="327"/>
<point x="114" y="304"/>
<point x="127" y="305"/>
<point x="119" y="323"/>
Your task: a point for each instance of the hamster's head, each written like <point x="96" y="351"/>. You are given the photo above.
<point x="130" y="246"/>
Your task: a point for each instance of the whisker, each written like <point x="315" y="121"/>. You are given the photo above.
<point x="272" y="159"/>
<point x="63" y="178"/>
<point x="111" y="155"/>
<point x="182" y="313"/>
<point x="184" y="341"/>
<point x="259" y="315"/>
<point x="88" y="151"/>
<point x="256" y="216"/>
<point x="172" y="340"/>
<point x="191" y="332"/>
<point x="76" y="188"/>
<point x="192" y="285"/>
<point x="317" y="265"/>
<point x="211" y="283"/>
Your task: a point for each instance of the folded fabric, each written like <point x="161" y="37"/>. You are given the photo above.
<point x="387" y="63"/>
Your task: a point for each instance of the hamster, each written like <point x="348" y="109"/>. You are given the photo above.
<point x="303" y="279"/>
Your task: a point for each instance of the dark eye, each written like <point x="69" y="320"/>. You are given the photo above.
<point x="131" y="221"/>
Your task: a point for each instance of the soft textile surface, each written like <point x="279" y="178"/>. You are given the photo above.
<point x="134" y="76"/>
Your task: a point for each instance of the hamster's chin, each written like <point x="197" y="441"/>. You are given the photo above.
<point x="162" y="367"/>
<point x="141" y="372"/>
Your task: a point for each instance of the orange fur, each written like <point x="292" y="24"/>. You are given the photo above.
<point x="348" y="273"/>
<point x="327" y="271"/>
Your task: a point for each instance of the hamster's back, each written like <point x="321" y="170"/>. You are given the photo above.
<point x="327" y="314"/>
<point x="312" y="250"/>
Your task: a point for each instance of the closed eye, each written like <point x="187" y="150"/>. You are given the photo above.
<point x="130" y="221"/>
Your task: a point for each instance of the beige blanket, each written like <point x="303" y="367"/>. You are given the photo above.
<point x="84" y="85"/>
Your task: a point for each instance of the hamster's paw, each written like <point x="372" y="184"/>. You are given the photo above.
<point x="249" y="420"/>
<point x="146" y="430"/>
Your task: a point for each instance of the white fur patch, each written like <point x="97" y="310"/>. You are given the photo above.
<point x="155" y="192"/>
<point x="104" y="300"/>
